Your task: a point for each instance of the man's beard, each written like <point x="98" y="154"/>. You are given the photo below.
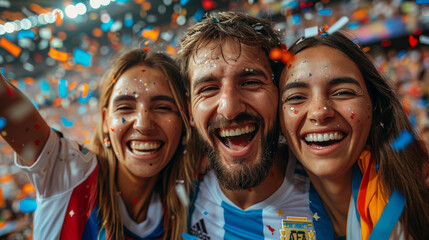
<point x="247" y="175"/>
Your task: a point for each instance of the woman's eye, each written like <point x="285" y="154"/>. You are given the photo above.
<point x="123" y="108"/>
<point x="345" y="93"/>
<point x="164" y="107"/>
<point x="294" y="99"/>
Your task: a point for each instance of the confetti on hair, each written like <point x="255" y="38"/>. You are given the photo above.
<point x="181" y="192"/>
<point x="311" y="32"/>
<point x="338" y="25"/>
<point x="82" y="57"/>
<point x="404" y="139"/>
<point x="424" y="39"/>
<point x="62" y="88"/>
<point x="10" y="47"/>
<point x="215" y="20"/>
<point x="2" y="122"/>
<point x="275" y="53"/>
<point x="57" y="55"/>
<point x="187" y="236"/>
<point x="66" y="122"/>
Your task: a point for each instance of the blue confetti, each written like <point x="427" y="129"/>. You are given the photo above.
<point x="25" y="34"/>
<point x="205" y="213"/>
<point x="82" y="57"/>
<point x="83" y="100"/>
<point x="123" y="119"/>
<point x="22" y="85"/>
<point x="292" y="4"/>
<point x="122" y="1"/>
<point x="2" y="122"/>
<point x="128" y="22"/>
<point x="107" y="26"/>
<point x="401" y="54"/>
<point x="325" y="12"/>
<point x="413" y="120"/>
<point x="2" y="71"/>
<point x="353" y="25"/>
<point x="28" y="205"/>
<point x="402" y="141"/>
<point x="422" y="1"/>
<point x="189" y="237"/>
<point x="66" y="122"/>
<point x="62" y="88"/>
<point x="296" y="19"/>
<point x="377" y="167"/>
<point x="183" y="2"/>
<point x="44" y="86"/>
<point x="198" y="15"/>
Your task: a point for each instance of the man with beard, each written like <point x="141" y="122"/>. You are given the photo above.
<point x="254" y="186"/>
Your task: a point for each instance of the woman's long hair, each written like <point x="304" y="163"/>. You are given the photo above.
<point x="181" y="167"/>
<point x="401" y="170"/>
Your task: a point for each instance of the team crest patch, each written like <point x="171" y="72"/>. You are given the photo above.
<point x="297" y="228"/>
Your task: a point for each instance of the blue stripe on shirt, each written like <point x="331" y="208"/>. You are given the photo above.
<point x="241" y="224"/>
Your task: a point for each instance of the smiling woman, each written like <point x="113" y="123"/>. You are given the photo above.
<point x="125" y="187"/>
<point x="340" y="117"/>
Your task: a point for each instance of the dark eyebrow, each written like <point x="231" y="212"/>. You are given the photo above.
<point x="331" y="83"/>
<point x="162" y="98"/>
<point x="123" y="98"/>
<point x="252" y="72"/>
<point x="294" y="85"/>
<point x="202" y="80"/>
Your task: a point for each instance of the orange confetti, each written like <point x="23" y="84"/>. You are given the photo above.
<point x="287" y="57"/>
<point x="38" y="9"/>
<point x="10" y="47"/>
<point x="28" y="188"/>
<point x="151" y="34"/>
<point x="275" y="54"/>
<point x="360" y="14"/>
<point x="58" y="19"/>
<point x="72" y="85"/>
<point x="87" y="141"/>
<point x="57" y="102"/>
<point x="62" y="36"/>
<point x="171" y="49"/>
<point x="366" y="49"/>
<point x="146" y="6"/>
<point x="85" y="90"/>
<point x="2" y="202"/>
<point x="57" y="55"/>
<point x="29" y="80"/>
<point x="97" y="32"/>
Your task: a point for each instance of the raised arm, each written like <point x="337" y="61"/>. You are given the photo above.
<point x="25" y="129"/>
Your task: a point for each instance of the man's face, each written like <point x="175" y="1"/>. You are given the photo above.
<point x="234" y="107"/>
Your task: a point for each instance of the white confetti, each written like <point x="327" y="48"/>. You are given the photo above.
<point x="311" y="32"/>
<point x="181" y="193"/>
<point x="338" y="25"/>
<point x="424" y="39"/>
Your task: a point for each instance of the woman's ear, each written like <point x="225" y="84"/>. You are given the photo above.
<point x="104" y="119"/>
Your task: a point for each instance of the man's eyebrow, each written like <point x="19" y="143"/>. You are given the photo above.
<point x="162" y="98"/>
<point x="202" y="80"/>
<point x="252" y="72"/>
<point x="123" y="98"/>
<point x="294" y="85"/>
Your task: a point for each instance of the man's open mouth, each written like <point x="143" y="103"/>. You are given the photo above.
<point x="237" y="137"/>
<point x="145" y="148"/>
<point x="319" y="140"/>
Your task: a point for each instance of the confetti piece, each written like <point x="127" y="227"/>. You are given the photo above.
<point x="128" y="20"/>
<point x="422" y="1"/>
<point x="353" y="25"/>
<point x="338" y="25"/>
<point x="152" y="34"/>
<point x="87" y="141"/>
<point x="198" y="15"/>
<point x="57" y="55"/>
<point x="275" y="53"/>
<point x="291" y="4"/>
<point x="62" y="88"/>
<point x="325" y="12"/>
<point x="187" y="236"/>
<point x="205" y="213"/>
<point x="181" y="193"/>
<point x="25" y="34"/>
<point x="27" y="205"/>
<point x="10" y="91"/>
<point x="82" y="57"/>
<point x="424" y="39"/>
<point x="311" y="32"/>
<point x="37" y="142"/>
<point x="208" y="4"/>
<point x="106" y="26"/>
<point x="402" y="141"/>
<point x="296" y="19"/>
<point x="72" y="85"/>
<point x="412" y="40"/>
<point x="135" y="200"/>
<point x="36" y="126"/>
<point x="66" y="122"/>
<point x="10" y="47"/>
<point x="85" y="89"/>
<point x="183" y="2"/>
<point x="2" y="122"/>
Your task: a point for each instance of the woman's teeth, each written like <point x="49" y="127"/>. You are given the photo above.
<point x="323" y="137"/>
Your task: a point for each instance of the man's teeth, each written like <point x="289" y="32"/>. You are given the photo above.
<point x="236" y="131"/>
<point x="318" y="137"/>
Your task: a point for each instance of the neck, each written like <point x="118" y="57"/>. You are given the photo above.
<point x="246" y="198"/>
<point x="136" y="194"/>
<point x="335" y="195"/>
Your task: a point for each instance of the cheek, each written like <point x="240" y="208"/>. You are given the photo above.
<point x="172" y="126"/>
<point x="290" y="117"/>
